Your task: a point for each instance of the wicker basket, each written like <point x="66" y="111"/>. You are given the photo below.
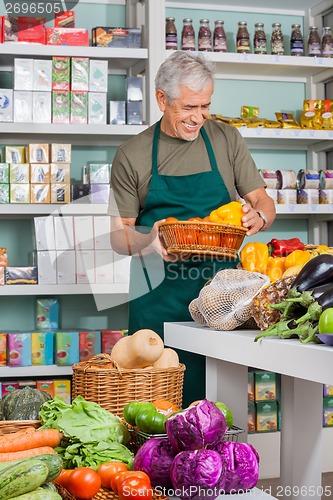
<point x="103" y="494"/>
<point x="205" y="238"/>
<point x="9" y="426"/>
<point x="102" y="381"/>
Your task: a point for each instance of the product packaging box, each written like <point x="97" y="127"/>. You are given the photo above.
<point x="66" y="267"/>
<point x="104" y="272"/>
<point x="3" y="257"/>
<point x="4" y="193"/>
<point x="250" y="386"/>
<point x="47" y="268"/>
<point x="42" y="75"/>
<point x="21" y="275"/>
<point x="98" y="75"/>
<point x="47" y="386"/>
<point x="61" y="106"/>
<point x="41" y="107"/>
<point x="109" y="338"/>
<point x="27" y="384"/>
<point x="90" y="344"/>
<point x="22" y="106"/>
<point x="4" y="173"/>
<point x="3" y="349"/>
<point x="24" y="29"/>
<point x="106" y="36"/>
<point x="266" y="416"/>
<point x="117" y="112"/>
<point x="19" y="173"/>
<point x="134" y="88"/>
<point x="14" y="154"/>
<point x="44" y="233"/>
<point x="97" y="112"/>
<point x="85" y="266"/>
<point x="9" y="386"/>
<point x="64" y="232"/>
<point x="99" y="173"/>
<point x="83" y="232"/>
<point x="6" y="105"/>
<point x="42" y="348"/>
<point x="251" y="418"/>
<point x="80" y="73"/>
<point x="79" y="107"/>
<point x="79" y="190"/>
<point x="60" y="193"/>
<point x="40" y="173"/>
<point x="40" y="193"/>
<point x="62" y="389"/>
<point x="121" y="268"/>
<point x="61" y="73"/>
<point x="66" y="347"/>
<point x="102" y="231"/>
<point x="23" y="73"/>
<point x="67" y="36"/>
<point x="328" y="411"/>
<point x="60" y="173"/>
<point x="19" y="349"/>
<point x="99" y="193"/>
<point x="134" y="112"/>
<point x="266" y="386"/>
<point x="60" y="153"/>
<point x="327" y="390"/>
<point x="19" y="193"/>
<point x="47" y="314"/>
<point x="65" y="19"/>
<point x="2" y="276"/>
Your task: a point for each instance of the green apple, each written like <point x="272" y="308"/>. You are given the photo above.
<point x="226" y="412"/>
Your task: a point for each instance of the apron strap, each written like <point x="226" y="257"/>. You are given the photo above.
<point x="210" y="151"/>
<point x="145" y="272"/>
<point x="154" y="166"/>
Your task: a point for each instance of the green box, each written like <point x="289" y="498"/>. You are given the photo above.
<point x="4" y="173"/>
<point x="251" y="418"/>
<point x="327" y="412"/>
<point x="266" y="416"/>
<point x="4" y="193"/>
<point x="266" y="386"/>
<point x="79" y="107"/>
<point x="250" y="386"/>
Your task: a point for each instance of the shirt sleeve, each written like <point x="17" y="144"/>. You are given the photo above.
<point x="124" y="200"/>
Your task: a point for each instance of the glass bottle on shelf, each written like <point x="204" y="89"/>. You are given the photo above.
<point x="314" y="45"/>
<point x="205" y="36"/>
<point x="242" y="38"/>
<point x="277" y="46"/>
<point x="296" y="41"/>
<point x="188" y="35"/>
<point x="327" y="42"/>
<point x="170" y="34"/>
<point x="259" y="40"/>
<point x="219" y="38"/>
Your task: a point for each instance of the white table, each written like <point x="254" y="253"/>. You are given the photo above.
<point x="304" y="368"/>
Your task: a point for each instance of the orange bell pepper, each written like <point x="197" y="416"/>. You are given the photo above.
<point x="297" y="257"/>
<point x="231" y="213"/>
<point x="254" y="257"/>
<point x="275" y="268"/>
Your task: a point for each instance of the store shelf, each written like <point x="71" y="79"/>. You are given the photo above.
<point x="121" y="58"/>
<point x="34" y="371"/>
<point x="296" y="7"/>
<point x="298" y="139"/>
<point x="111" y="289"/>
<point x="32" y="209"/>
<point x="321" y="212"/>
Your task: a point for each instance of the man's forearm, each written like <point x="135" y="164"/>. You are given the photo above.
<point x="128" y="241"/>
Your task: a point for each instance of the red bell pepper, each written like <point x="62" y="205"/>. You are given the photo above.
<point x="282" y="248"/>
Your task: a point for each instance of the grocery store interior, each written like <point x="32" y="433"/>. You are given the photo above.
<point x="77" y="83"/>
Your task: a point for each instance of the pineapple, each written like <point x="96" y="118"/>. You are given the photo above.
<point x="272" y="294"/>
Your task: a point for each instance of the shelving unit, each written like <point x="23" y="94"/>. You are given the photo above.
<point x="95" y="289"/>
<point x="34" y="371"/>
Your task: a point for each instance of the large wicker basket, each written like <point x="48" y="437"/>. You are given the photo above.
<point x="9" y="426"/>
<point x="205" y="238"/>
<point x="102" y="381"/>
<point x="103" y="494"/>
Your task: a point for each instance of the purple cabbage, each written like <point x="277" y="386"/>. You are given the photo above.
<point x="240" y="467"/>
<point x="196" y="427"/>
<point x="155" y="458"/>
<point x="194" y="474"/>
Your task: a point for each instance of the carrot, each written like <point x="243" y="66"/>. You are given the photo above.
<point x="19" y="441"/>
<point x="17" y="455"/>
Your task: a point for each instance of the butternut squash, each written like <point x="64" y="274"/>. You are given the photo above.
<point x="139" y="350"/>
<point x="168" y="359"/>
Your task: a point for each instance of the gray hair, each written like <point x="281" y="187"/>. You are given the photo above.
<point x="188" y="69"/>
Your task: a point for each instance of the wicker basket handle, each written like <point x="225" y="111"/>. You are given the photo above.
<point x="101" y="360"/>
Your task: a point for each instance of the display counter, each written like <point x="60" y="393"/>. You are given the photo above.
<point x="303" y="369"/>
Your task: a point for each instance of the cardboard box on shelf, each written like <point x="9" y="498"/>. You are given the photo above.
<point x="266" y="386"/>
<point x="266" y="416"/>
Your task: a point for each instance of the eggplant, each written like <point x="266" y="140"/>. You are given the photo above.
<point x="317" y="307"/>
<point x="317" y="271"/>
<point x="319" y="290"/>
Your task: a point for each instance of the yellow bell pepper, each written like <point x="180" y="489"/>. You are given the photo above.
<point x="275" y="268"/>
<point x="254" y="257"/>
<point x="294" y="270"/>
<point x="231" y="213"/>
<point x="296" y="258"/>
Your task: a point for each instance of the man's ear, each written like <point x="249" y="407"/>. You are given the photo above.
<point x="161" y="99"/>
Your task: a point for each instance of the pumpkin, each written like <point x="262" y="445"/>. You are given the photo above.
<point x="23" y="404"/>
<point x="168" y="359"/>
<point x="139" y="350"/>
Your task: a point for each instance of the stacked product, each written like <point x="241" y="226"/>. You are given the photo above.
<point x="129" y="111"/>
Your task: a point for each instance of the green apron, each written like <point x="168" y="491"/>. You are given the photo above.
<point x="161" y="291"/>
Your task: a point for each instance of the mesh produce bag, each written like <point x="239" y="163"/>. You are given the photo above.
<point x="225" y="303"/>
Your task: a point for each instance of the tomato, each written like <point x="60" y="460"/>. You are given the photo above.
<point x="209" y="239"/>
<point x="119" y="477"/>
<point x="62" y="479"/>
<point x="206" y="219"/>
<point x="195" y="219"/>
<point x="108" y="469"/>
<point x="84" y="483"/>
<point x="325" y="324"/>
<point x="171" y="219"/>
<point x="134" y="488"/>
<point x="189" y="237"/>
<point x="131" y="410"/>
<point x="151" y="422"/>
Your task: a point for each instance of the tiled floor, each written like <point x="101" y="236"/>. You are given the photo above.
<point x="271" y="486"/>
